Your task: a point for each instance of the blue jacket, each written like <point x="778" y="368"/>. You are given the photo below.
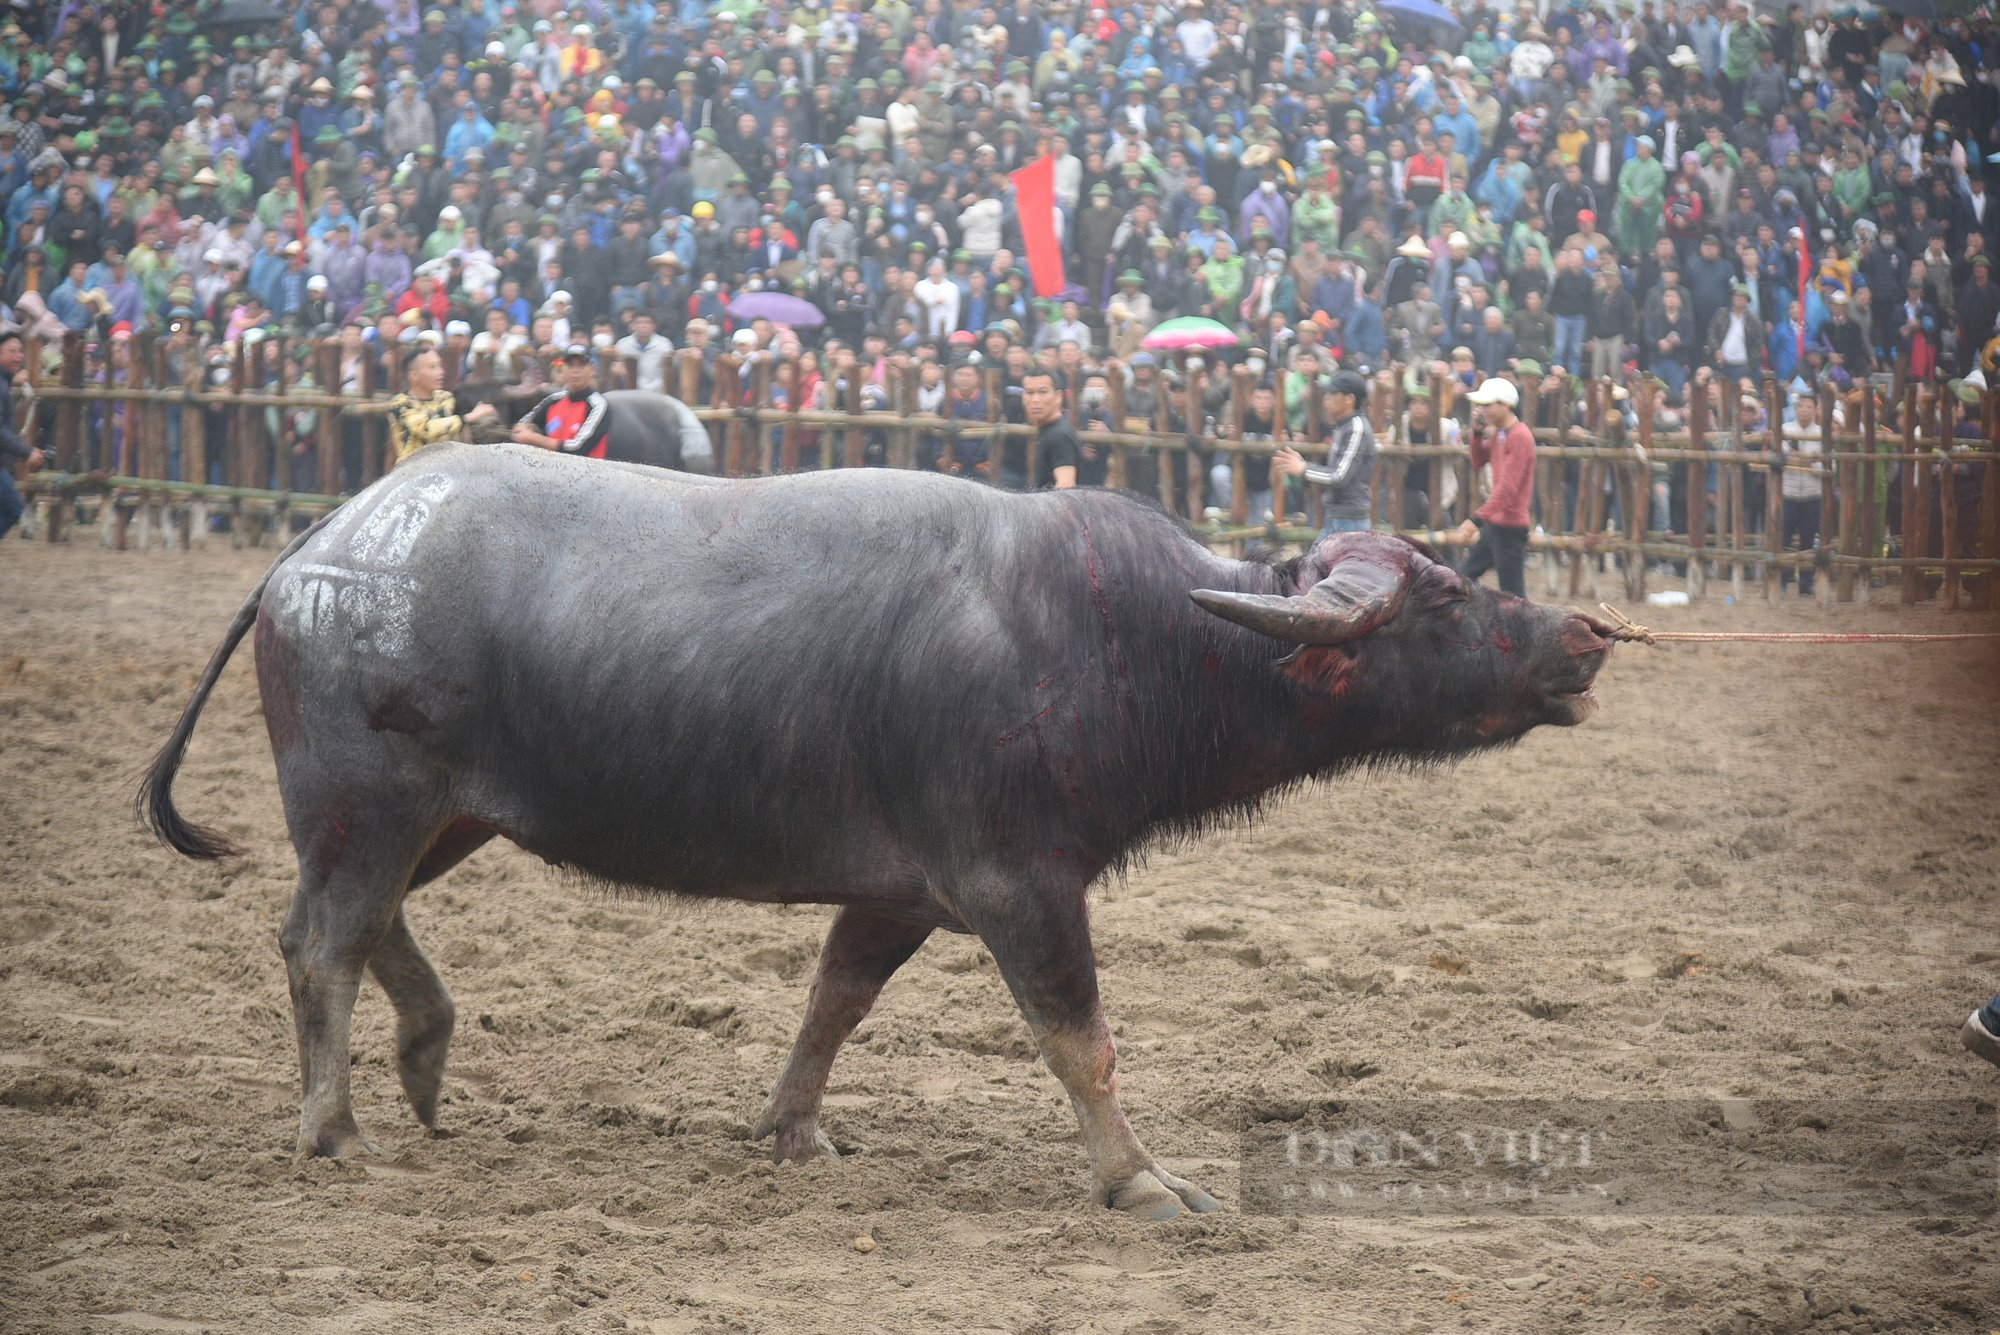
<point x="1366" y="337"/>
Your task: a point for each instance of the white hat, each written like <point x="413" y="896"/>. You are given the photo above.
<point x="449" y="213"/>
<point x="1495" y="390"/>
<point x="317" y="283"/>
<point x="1458" y="239"/>
<point x="559" y="295"/>
<point x="601" y="339"/>
<point x="430" y="336"/>
<point x="746" y="336"/>
<point x="212" y="255"/>
<point x="613" y="82"/>
<point x="1839" y="297"/>
<point x="408" y="334"/>
<point x="582" y="30"/>
<point x="495" y="49"/>
<point x="458" y="329"/>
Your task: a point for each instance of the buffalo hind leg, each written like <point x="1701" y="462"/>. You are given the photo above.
<point x="1040" y="939"/>
<point x="351" y="885"/>
<point x="862" y="950"/>
<point x="424" y="1016"/>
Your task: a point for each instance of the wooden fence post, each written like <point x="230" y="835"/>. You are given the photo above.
<point x="1985" y="599"/>
<point x="1915" y="511"/>
<point x="327" y="433"/>
<point x="996" y="441"/>
<point x="788" y="446"/>
<point x="854" y="439"/>
<point x="763" y="436"/>
<point x="1281" y="430"/>
<point x="69" y="413"/>
<point x="1947" y="499"/>
<point x="1639" y="489"/>
<point x="1870" y="531"/>
<point x="1118" y="472"/>
<point x="1774" y="489"/>
<point x="1239" y="465"/>
<point x="1194" y="416"/>
<point x="1697" y="492"/>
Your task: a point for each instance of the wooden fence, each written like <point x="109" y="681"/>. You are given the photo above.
<point x="110" y="428"/>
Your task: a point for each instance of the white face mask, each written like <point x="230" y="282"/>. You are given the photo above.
<point x="825" y="197"/>
<point x="709" y="285"/>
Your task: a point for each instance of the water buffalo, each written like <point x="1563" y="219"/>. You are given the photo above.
<point x="646" y="428"/>
<point x="991" y="699"/>
<point x="649" y="428"/>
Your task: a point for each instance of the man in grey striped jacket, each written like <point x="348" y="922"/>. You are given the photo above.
<point x="1350" y="457"/>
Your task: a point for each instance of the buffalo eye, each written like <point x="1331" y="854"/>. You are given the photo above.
<point x="1441" y="587"/>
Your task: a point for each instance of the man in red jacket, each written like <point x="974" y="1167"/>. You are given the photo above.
<point x="1498" y="530"/>
<point x="575" y="419"/>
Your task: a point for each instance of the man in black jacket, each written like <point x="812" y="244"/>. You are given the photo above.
<point x="1611" y="324"/>
<point x="1846" y="338"/>
<point x="13" y="450"/>
<point x="1978" y="306"/>
<point x="1350" y="457"/>
<point x="1564" y="200"/>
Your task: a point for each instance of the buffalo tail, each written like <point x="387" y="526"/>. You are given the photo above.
<point x="155" y="803"/>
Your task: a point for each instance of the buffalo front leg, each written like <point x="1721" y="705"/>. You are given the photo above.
<point x="424" y="1016"/>
<point x="1040" y="939"/>
<point x="860" y="953"/>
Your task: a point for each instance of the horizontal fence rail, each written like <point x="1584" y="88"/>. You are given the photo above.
<point x="287" y="428"/>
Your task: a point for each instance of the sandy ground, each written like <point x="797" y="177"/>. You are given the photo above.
<point x="1817" y="825"/>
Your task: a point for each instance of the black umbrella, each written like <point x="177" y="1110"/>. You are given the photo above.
<point x="242" y="13"/>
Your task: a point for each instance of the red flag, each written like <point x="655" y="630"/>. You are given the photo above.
<point x="1035" y="206"/>
<point x="299" y="178"/>
<point x="1805" y="286"/>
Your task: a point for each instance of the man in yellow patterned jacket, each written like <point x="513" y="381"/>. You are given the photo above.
<point x="426" y="411"/>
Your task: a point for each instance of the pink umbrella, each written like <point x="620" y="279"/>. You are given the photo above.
<point x="1190" y="331"/>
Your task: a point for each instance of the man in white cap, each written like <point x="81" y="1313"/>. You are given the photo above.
<point x="559" y="309"/>
<point x="1498" y="530"/>
<point x="315" y="311"/>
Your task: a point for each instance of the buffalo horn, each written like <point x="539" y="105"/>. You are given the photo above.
<point x="1311" y="619"/>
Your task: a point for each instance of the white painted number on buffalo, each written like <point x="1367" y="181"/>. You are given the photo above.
<point x="369" y="594"/>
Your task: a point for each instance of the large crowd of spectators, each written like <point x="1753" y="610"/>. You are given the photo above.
<point x="1700" y="192"/>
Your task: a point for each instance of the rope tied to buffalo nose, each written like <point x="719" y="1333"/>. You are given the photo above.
<point x="1626" y="630"/>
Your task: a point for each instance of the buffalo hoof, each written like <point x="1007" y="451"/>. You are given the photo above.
<point x="1156" y="1195"/>
<point x="797" y="1141"/>
<point x="420" y="1067"/>
<point x="1193" y="1197"/>
<point x="333" y="1142"/>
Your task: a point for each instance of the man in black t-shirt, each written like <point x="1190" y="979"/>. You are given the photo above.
<point x="1057" y="450"/>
